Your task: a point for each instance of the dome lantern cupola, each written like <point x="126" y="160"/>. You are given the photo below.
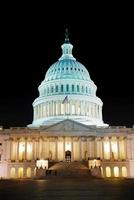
<point x="67" y="48"/>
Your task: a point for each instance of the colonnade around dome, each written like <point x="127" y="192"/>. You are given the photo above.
<point x="71" y="107"/>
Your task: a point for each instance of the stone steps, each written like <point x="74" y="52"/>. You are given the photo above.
<point x="71" y="169"/>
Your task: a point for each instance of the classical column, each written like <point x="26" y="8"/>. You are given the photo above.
<point x="40" y="148"/>
<point x="70" y="107"/>
<point x="34" y="149"/>
<point x="95" y="147"/>
<point x="56" y="149"/>
<point x="8" y="152"/>
<point x="72" y="152"/>
<point x="125" y="144"/>
<point x="63" y="148"/>
<point x="81" y="108"/>
<point x="11" y="149"/>
<point x="101" y="112"/>
<point x="103" y="156"/>
<point x="80" y="150"/>
<point x="17" y="150"/>
<point x="110" y="143"/>
<point x="25" y="148"/>
<point x="118" y="146"/>
<point x="51" y="108"/>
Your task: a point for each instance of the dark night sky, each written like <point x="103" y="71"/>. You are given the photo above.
<point x="30" y="43"/>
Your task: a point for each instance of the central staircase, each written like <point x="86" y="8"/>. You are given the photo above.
<point x="70" y="169"/>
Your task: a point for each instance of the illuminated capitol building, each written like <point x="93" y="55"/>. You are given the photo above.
<point x="67" y="133"/>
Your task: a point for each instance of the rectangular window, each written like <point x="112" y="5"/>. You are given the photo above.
<point x="72" y="88"/>
<point x="61" y="88"/>
<point x="67" y="87"/>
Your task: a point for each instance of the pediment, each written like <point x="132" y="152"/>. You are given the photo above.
<point x="67" y="125"/>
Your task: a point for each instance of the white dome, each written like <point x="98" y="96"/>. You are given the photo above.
<point x="67" y="92"/>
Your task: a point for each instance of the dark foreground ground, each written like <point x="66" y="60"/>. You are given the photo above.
<point x="67" y="189"/>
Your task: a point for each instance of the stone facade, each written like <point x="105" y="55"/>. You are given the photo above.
<point x="20" y="148"/>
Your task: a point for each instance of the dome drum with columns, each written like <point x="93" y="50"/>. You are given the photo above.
<point x="67" y="92"/>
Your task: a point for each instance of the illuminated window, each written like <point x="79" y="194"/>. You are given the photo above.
<point x="12" y="172"/>
<point x="28" y="173"/>
<point x="116" y="171"/>
<point x="42" y="164"/>
<point x="108" y="172"/>
<point x="20" y="172"/>
<point x="124" y="171"/>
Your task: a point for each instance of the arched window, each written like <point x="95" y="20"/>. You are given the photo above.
<point x="72" y="88"/>
<point x="67" y="87"/>
<point x="116" y="171"/>
<point x="61" y="88"/>
<point x="56" y="88"/>
<point x="124" y="172"/>
<point x="108" y="172"/>
<point x="78" y="89"/>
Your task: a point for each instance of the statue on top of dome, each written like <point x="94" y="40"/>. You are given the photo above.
<point x="66" y="36"/>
